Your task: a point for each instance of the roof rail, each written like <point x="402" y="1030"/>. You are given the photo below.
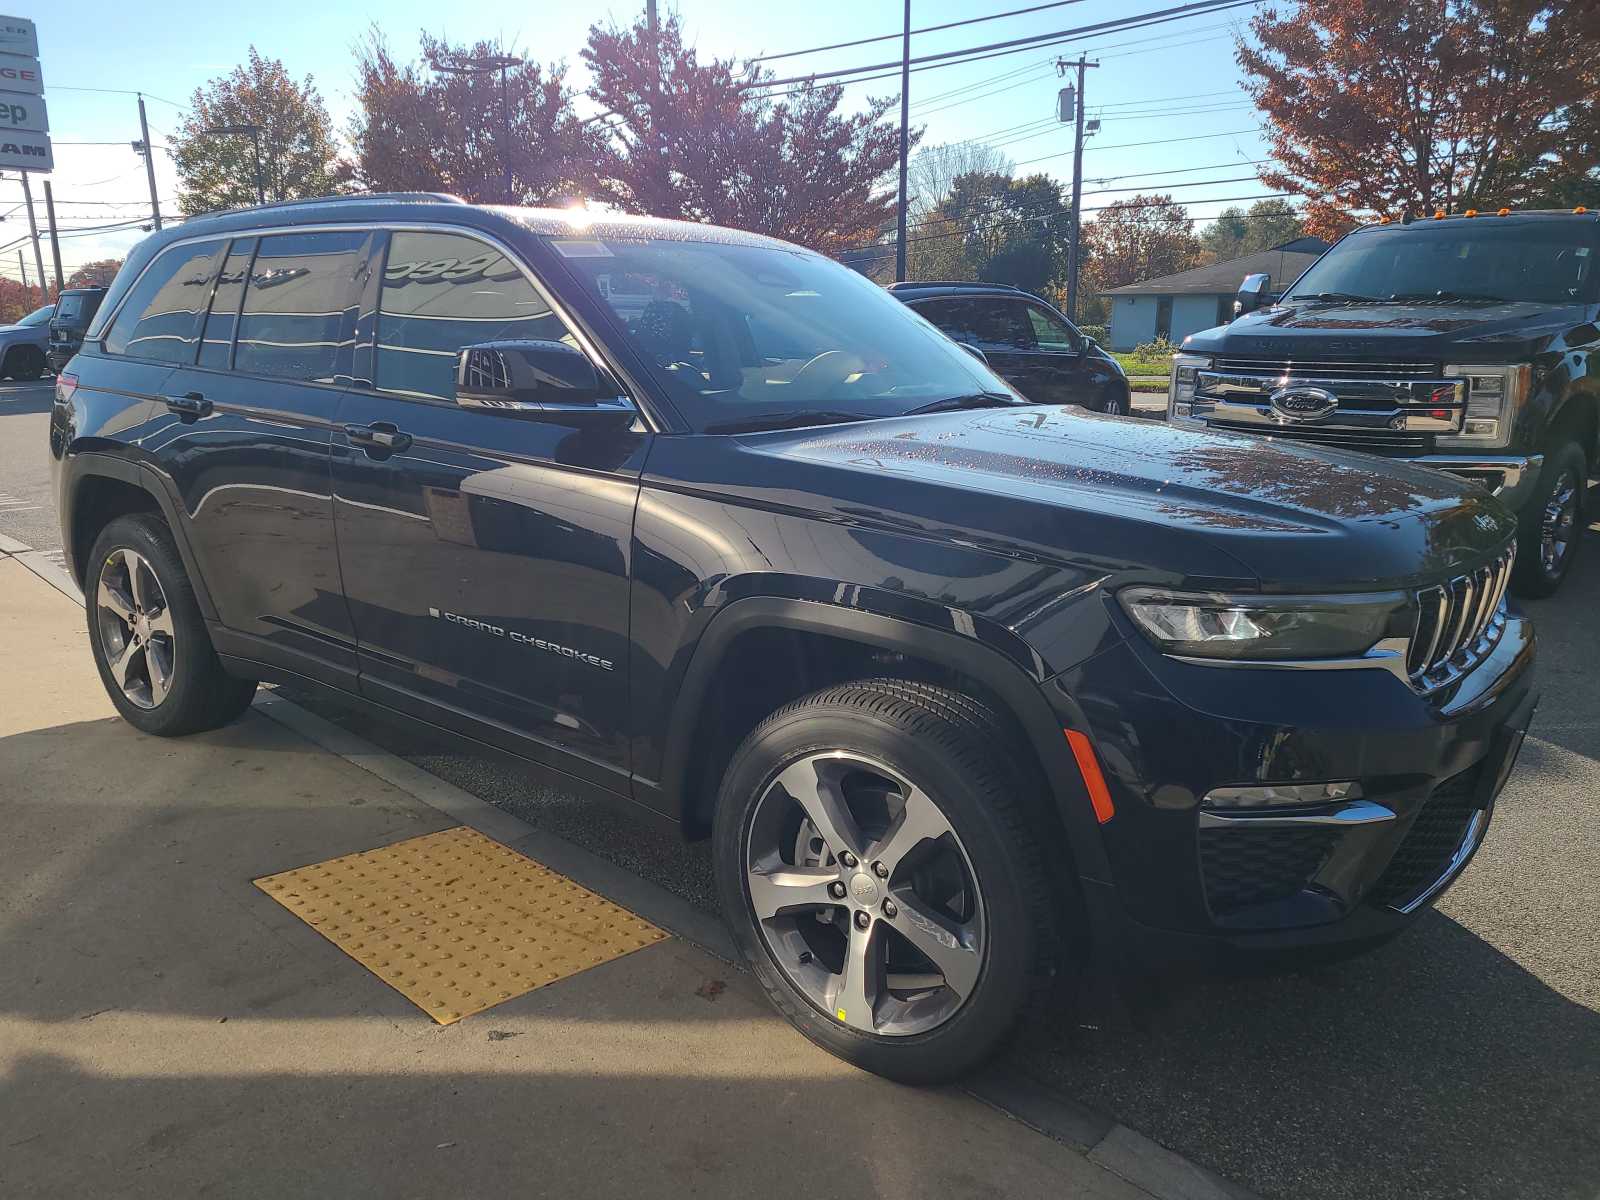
<point x="972" y="283"/>
<point x="344" y="198"/>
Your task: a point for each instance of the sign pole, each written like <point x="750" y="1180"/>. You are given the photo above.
<point x="33" y="231"/>
<point x="22" y="265"/>
<point x="55" y="246"/>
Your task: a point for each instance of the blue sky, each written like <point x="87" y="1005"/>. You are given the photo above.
<point x="1174" y="81"/>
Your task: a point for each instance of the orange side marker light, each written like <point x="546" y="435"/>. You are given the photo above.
<point x="1093" y="780"/>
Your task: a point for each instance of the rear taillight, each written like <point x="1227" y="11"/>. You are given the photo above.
<point x="65" y="386"/>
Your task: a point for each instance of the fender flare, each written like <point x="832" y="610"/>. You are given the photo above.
<point x="1008" y="681"/>
<point x="83" y="466"/>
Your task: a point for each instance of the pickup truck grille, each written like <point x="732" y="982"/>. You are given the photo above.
<point x="1376" y="442"/>
<point x="1406" y="369"/>
<point x="1458" y="622"/>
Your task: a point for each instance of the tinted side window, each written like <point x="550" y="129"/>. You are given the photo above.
<point x="443" y="291"/>
<point x="161" y="317"/>
<point x="299" y="306"/>
<point x="1052" y="333"/>
<point x="216" y="344"/>
<point x="986" y="324"/>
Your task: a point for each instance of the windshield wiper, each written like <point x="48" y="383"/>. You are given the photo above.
<point x="1446" y="298"/>
<point x="974" y="400"/>
<point x="793" y="419"/>
<point x="1337" y="297"/>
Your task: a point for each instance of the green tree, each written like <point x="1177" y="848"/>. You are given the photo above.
<point x="427" y="131"/>
<point x="690" y="139"/>
<point x="1238" y="231"/>
<point x="298" y="155"/>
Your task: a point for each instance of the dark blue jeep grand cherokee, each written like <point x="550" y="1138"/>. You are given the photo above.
<point x="963" y="689"/>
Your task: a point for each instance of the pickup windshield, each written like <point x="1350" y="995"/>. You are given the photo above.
<point x="745" y="337"/>
<point x="1486" y="260"/>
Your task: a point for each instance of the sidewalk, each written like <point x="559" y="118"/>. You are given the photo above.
<point x="167" y="1029"/>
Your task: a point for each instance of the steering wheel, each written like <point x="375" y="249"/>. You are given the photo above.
<point x="828" y="369"/>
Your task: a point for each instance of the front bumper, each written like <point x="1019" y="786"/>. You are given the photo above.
<point x="1511" y="477"/>
<point x="1185" y="885"/>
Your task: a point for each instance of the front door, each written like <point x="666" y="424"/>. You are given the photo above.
<point x="485" y="554"/>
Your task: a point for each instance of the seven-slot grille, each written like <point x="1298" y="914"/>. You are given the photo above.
<point x="1457" y="621"/>
<point x="1329" y="369"/>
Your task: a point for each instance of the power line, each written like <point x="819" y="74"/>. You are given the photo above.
<point x="889" y="37"/>
<point x="1199" y="137"/>
<point x="61" y="87"/>
<point x="1017" y="45"/>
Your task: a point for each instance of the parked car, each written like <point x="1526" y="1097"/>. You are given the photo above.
<point x="1028" y="343"/>
<point x="22" y="346"/>
<point x="1468" y="343"/>
<point x="962" y="690"/>
<point x="75" y="309"/>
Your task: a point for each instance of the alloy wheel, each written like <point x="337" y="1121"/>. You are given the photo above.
<point x="1558" y="525"/>
<point x="864" y="895"/>
<point x="135" y="626"/>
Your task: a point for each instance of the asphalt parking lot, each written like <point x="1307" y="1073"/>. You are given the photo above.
<point x="1463" y="1060"/>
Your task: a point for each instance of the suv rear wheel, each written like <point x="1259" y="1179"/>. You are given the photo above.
<point x="1553" y="524"/>
<point x="881" y="879"/>
<point x="148" y="637"/>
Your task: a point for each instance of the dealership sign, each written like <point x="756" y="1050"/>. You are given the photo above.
<point x="24" y="126"/>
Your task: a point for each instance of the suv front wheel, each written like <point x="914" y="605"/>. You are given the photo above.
<point x="882" y="880"/>
<point x="148" y="637"/>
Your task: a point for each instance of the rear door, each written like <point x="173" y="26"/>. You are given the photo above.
<point x="485" y="554"/>
<point x="249" y="443"/>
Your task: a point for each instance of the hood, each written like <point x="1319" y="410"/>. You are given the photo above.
<point x="1136" y="495"/>
<point x="1475" y="332"/>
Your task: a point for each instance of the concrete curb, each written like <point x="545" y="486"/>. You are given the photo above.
<point x="1147" y="1165"/>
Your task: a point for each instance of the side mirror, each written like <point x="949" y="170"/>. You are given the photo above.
<point x="975" y="352"/>
<point x="1089" y="344"/>
<point x="537" y="378"/>
<point x="1255" y="292"/>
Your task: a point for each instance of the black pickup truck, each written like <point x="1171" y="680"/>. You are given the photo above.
<point x="1468" y="343"/>
<point x="963" y="689"/>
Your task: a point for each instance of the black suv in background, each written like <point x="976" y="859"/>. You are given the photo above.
<point x="1028" y="343"/>
<point x="75" y="311"/>
<point x="712" y="528"/>
<point x="1469" y="343"/>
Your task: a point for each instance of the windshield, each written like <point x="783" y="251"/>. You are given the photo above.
<point x="1485" y="259"/>
<point x="744" y="337"/>
<point x="38" y="316"/>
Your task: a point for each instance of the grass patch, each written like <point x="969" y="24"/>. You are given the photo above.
<point x="1136" y="364"/>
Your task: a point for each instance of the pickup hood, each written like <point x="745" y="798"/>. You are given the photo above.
<point x="1469" y="332"/>
<point x="1142" y="498"/>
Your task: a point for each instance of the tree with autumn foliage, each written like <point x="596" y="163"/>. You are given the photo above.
<point x="1141" y="238"/>
<point x="17" y="301"/>
<point x="99" y="273"/>
<point x="693" y="139"/>
<point x="420" y="130"/>
<point x="298" y="153"/>
<point x="1395" y="106"/>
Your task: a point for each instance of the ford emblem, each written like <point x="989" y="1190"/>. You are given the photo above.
<point x="1301" y="404"/>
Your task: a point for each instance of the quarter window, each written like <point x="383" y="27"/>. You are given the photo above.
<point x="161" y="318"/>
<point x="299" y="306"/>
<point x="443" y="291"/>
<point x="1052" y="333"/>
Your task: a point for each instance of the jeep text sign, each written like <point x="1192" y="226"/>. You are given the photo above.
<point x="19" y="112"/>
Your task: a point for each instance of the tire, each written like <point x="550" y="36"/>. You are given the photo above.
<point x="169" y="682"/>
<point x="1118" y="404"/>
<point x="978" y="868"/>
<point x="25" y="363"/>
<point x="1553" y="523"/>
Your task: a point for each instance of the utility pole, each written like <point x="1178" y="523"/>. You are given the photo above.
<point x="905" y="148"/>
<point x="1062" y="66"/>
<point x="22" y="265"/>
<point x="150" y="166"/>
<point x="33" y="231"/>
<point x="55" y="246"/>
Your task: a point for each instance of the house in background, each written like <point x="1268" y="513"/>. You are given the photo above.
<point x="1175" y="306"/>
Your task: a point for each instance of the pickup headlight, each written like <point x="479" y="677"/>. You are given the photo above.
<point x="1495" y="394"/>
<point x="1186" y="369"/>
<point x="1267" y="628"/>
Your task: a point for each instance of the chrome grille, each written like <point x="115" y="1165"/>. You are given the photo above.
<point x="1458" y="622"/>
<point x="1378" y="441"/>
<point x="1409" y="369"/>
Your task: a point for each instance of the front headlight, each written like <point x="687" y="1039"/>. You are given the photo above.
<point x="1495" y="394"/>
<point x="1267" y="628"/>
<point x="1186" y="370"/>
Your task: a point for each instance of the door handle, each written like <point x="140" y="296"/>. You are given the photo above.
<point x="191" y="406"/>
<point x="380" y="436"/>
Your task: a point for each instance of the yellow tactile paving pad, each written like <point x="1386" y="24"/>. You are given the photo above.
<point x="456" y="922"/>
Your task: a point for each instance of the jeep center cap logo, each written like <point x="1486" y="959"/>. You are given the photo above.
<point x="1302" y="404"/>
